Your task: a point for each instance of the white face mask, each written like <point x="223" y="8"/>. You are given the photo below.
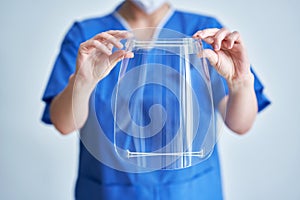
<point x="149" y="6"/>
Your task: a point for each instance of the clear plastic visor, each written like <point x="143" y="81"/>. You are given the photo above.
<point x="157" y="110"/>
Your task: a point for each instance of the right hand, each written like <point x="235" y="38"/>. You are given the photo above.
<point x="95" y="58"/>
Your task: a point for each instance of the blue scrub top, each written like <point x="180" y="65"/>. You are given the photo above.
<point x="98" y="181"/>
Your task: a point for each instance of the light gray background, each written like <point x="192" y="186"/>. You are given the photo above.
<point x="37" y="163"/>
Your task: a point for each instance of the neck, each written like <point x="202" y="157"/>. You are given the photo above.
<point x="136" y="18"/>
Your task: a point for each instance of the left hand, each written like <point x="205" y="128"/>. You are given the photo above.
<point x="229" y="56"/>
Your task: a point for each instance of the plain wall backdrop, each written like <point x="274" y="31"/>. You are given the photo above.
<point x="38" y="163"/>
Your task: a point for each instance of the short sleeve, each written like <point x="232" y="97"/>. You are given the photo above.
<point x="262" y="99"/>
<point x="64" y="66"/>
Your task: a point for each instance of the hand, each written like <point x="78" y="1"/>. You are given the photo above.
<point x="228" y="56"/>
<point x="95" y="58"/>
<point x="230" y="59"/>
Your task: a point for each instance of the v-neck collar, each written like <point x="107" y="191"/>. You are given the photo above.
<point x="161" y="25"/>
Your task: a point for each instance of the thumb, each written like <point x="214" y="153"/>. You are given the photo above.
<point x="113" y="60"/>
<point x="116" y="57"/>
<point x="214" y="59"/>
<point x="212" y="56"/>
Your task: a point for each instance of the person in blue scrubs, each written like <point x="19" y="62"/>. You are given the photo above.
<point x="86" y="53"/>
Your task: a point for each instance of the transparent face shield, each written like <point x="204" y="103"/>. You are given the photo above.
<point x="164" y="106"/>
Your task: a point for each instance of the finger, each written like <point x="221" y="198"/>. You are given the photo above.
<point x="208" y="40"/>
<point x="117" y="56"/>
<point x="211" y="56"/>
<point x="206" y="33"/>
<point x="233" y="38"/>
<point x="94" y="44"/>
<point x="120" y="34"/>
<point x="214" y="60"/>
<point x="129" y="55"/>
<point x="108" y="38"/>
<point x="219" y="37"/>
<point x="113" y="60"/>
<point x="110" y="46"/>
